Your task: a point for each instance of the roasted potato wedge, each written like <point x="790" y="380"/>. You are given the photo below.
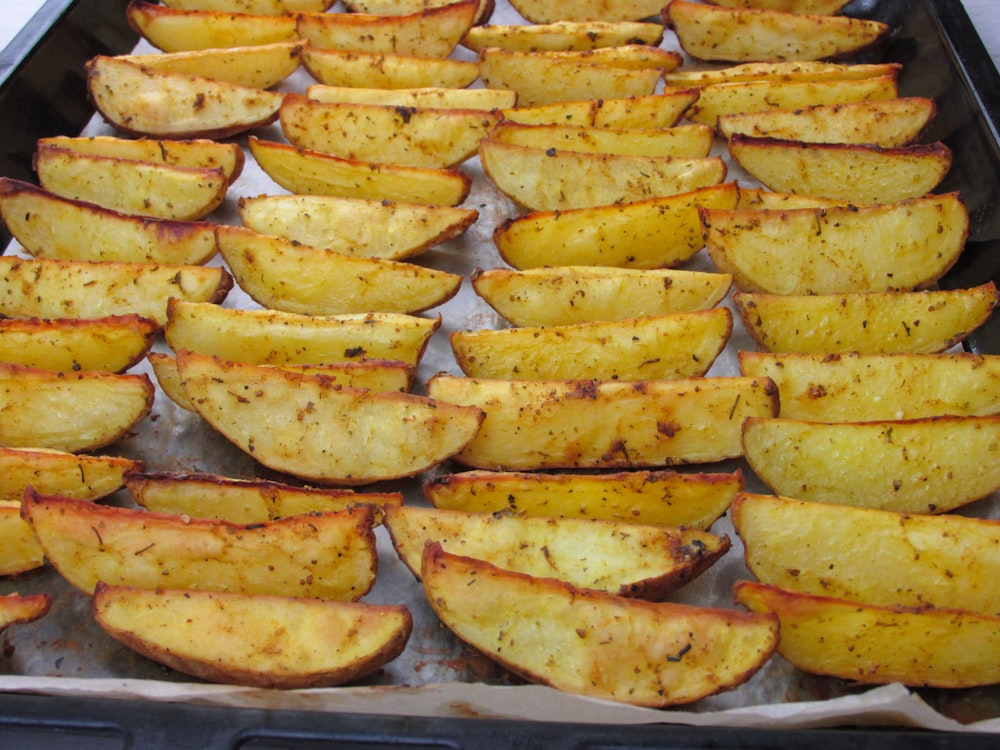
<point x="256" y="7"/>
<point x="164" y="368"/>
<point x="682" y="140"/>
<point x="435" y="97"/>
<point x="861" y="387"/>
<point x="386" y="70"/>
<point x="876" y="645"/>
<point x="49" y="472"/>
<point x="288" y="421"/>
<point x="244" y="500"/>
<point x="656" y="111"/>
<point x="283" y="275"/>
<point x="269" y="337"/>
<point x="605" y="424"/>
<point x="45" y="288"/>
<point x="317" y="555"/>
<point x="868" y="323"/>
<point x="15" y="609"/>
<point x="259" y="66"/>
<point x="593" y="643"/>
<point x="405" y="7"/>
<point x="563" y="35"/>
<point x="848" y="172"/>
<point x="763" y="198"/>
<point x="828" y="250"/>
<point x="177" y="30"/>
<point x="817" y="7"/>
<point x="552" y="179"/>
<point x="382" y="133"/>
<point x="145" y="102"/>
<point x="50" y="226"/>
<point x="662" y="347"/>
<point x="780" y="72"/>
<point x="718" y="34"/>
<point x="550" y="11"/>
<point x="69" y="411"/>
<point x="562" y="295"/>
<point x="367" y="228"/>
<point x="305" y="172"/>
<point x="20" y="551"/>
<point x="646" y="234"/>
<point x="627" y="559"/>
<point x="255" y="640"/>
<point x="659" y="498"/>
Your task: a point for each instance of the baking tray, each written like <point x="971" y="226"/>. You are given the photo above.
<point x="42" y="92"/>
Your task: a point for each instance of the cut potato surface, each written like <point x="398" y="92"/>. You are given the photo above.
<point x="549" y="11"/>
<point x="21" y="551"/>
<point x="563" y="35"/>
<point x="436" y="97"/>
<point x="83" y="477"/>
<point x="177" y="29"/>
<point x="683" y="140"/>
<point x="386" y="70"/>
<point x="781" y="72"/>
<point x="656" y="111"/>
<point x="260" y="66"/>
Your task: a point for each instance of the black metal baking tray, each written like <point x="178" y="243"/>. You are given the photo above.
<point x="43" y="92"/>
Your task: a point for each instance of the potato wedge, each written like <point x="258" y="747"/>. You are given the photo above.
<point x="16" y="609"/>
<point x="662" y="347"/>
<point x="406" y="7"/>
<point x="50" y="226"/>
<point x="563" y="35"/>
<point x="244" y="500"/>
<point x="763" y="198"/>
<point x="46" y="288"/>
<point x="60" y="473"/>
<point x="254" y="640"/>
<point x="306" y="172"/>
<point x="593" y="643"/>
<point x="878" y="645"/>
<point x="436" y="97"/>
<point x="178" y="30"/>
<point x="658" y="498"/>
<point x="847" y="172"/>
<point x="828" y="250"/>
<point x="128" y="186"/>
<point x="112" y="343"/>
<point x="283" y="275"/>
<point x="562" y="295"/>
<point x="256" y="7"/>
<point x="781" y="72"/>
<point x="269" y="337"/>
<point x="627" y="559"/>
<point x="646" y="234"/>
<point x="861" y="387"/>
<point x="20" y="551"/>
<point x="366" y="228"/>
<point x="429" y="32"/>
<point x="259" y="66"/>
<point x="321" y="555"/>
<point x="868" y="323"/>
<point x="144" y="102"/>
<point x="386" y="70"/>
<point x="167" y="377"/>
<point x="656" y="111"/>
<point x="818" y="7"/>
<point x="72" y="412"/>
<point x="552" y="179"/>
<point x="827" y="550"/>
<point x="381" y="133"/>
<point x="887" y="123"/>
<point x="605" y="424"/>
<point x="682" y="140"/>
<point x="718" y="34"/>
<point x="550" y="11"/>
<point x="288" y="421"/>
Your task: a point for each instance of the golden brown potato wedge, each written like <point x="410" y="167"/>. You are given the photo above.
<point x="367" y="228"/>
<point x="563" y="35"/>
<point x="72" y="411"/>
<point x="860" y="387"/>
<point x="289" y="421"/>
<point x="129" y="186"/>
<point x="876" y="645"/>
<point x="83" y="477"/>
<point x="429" y="32"/>
<point x="887" y="123"/>
<point x="50" y="226"/>
<point x="45" y="288"/>
<point x="780" y="72"/>
<point x="550" y="11"/>
<point x="382" y="133"/>
<point x="662" y="347"/>
<point x="386" y="70"/>
<point x="646" y="234"/>
<point x="269" y="337"/>
<point x="16" y="609"/>
<point x="627" y="559"/>
<point x="305" y="172"/>
<point x="869" y="323"/>
<point x="552" y="179"/>
<point x="20" y="551"/>
<point x="763" y="198"/>
<point x="259" y="66"/>
<point x="829" y="250"/>
<point x="255" y="640"/>
<point x="562" y="295"/>
<point x="144" y="102"/>
<point x="406" y="7"/>
<point x="321" y="555"/>
<point x="546" y="424"/>
<point x="177" y="30"/>
<point x="659" y="498"/>
<point x="256" y="7"/>
<point x="848" y="172"/>
<point x="682" y="140"/>
<point x="244" y="500"/>
<point x="164" y="368"/>
<point x="656" y="111"/>
<point x="593" y="643"/>
<point x="283" y="275"/>
<point x="828" y="550"/>
<point x="436" y="97"/>
<point x="818" y="7"/>
<point x="709" y="32"/>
